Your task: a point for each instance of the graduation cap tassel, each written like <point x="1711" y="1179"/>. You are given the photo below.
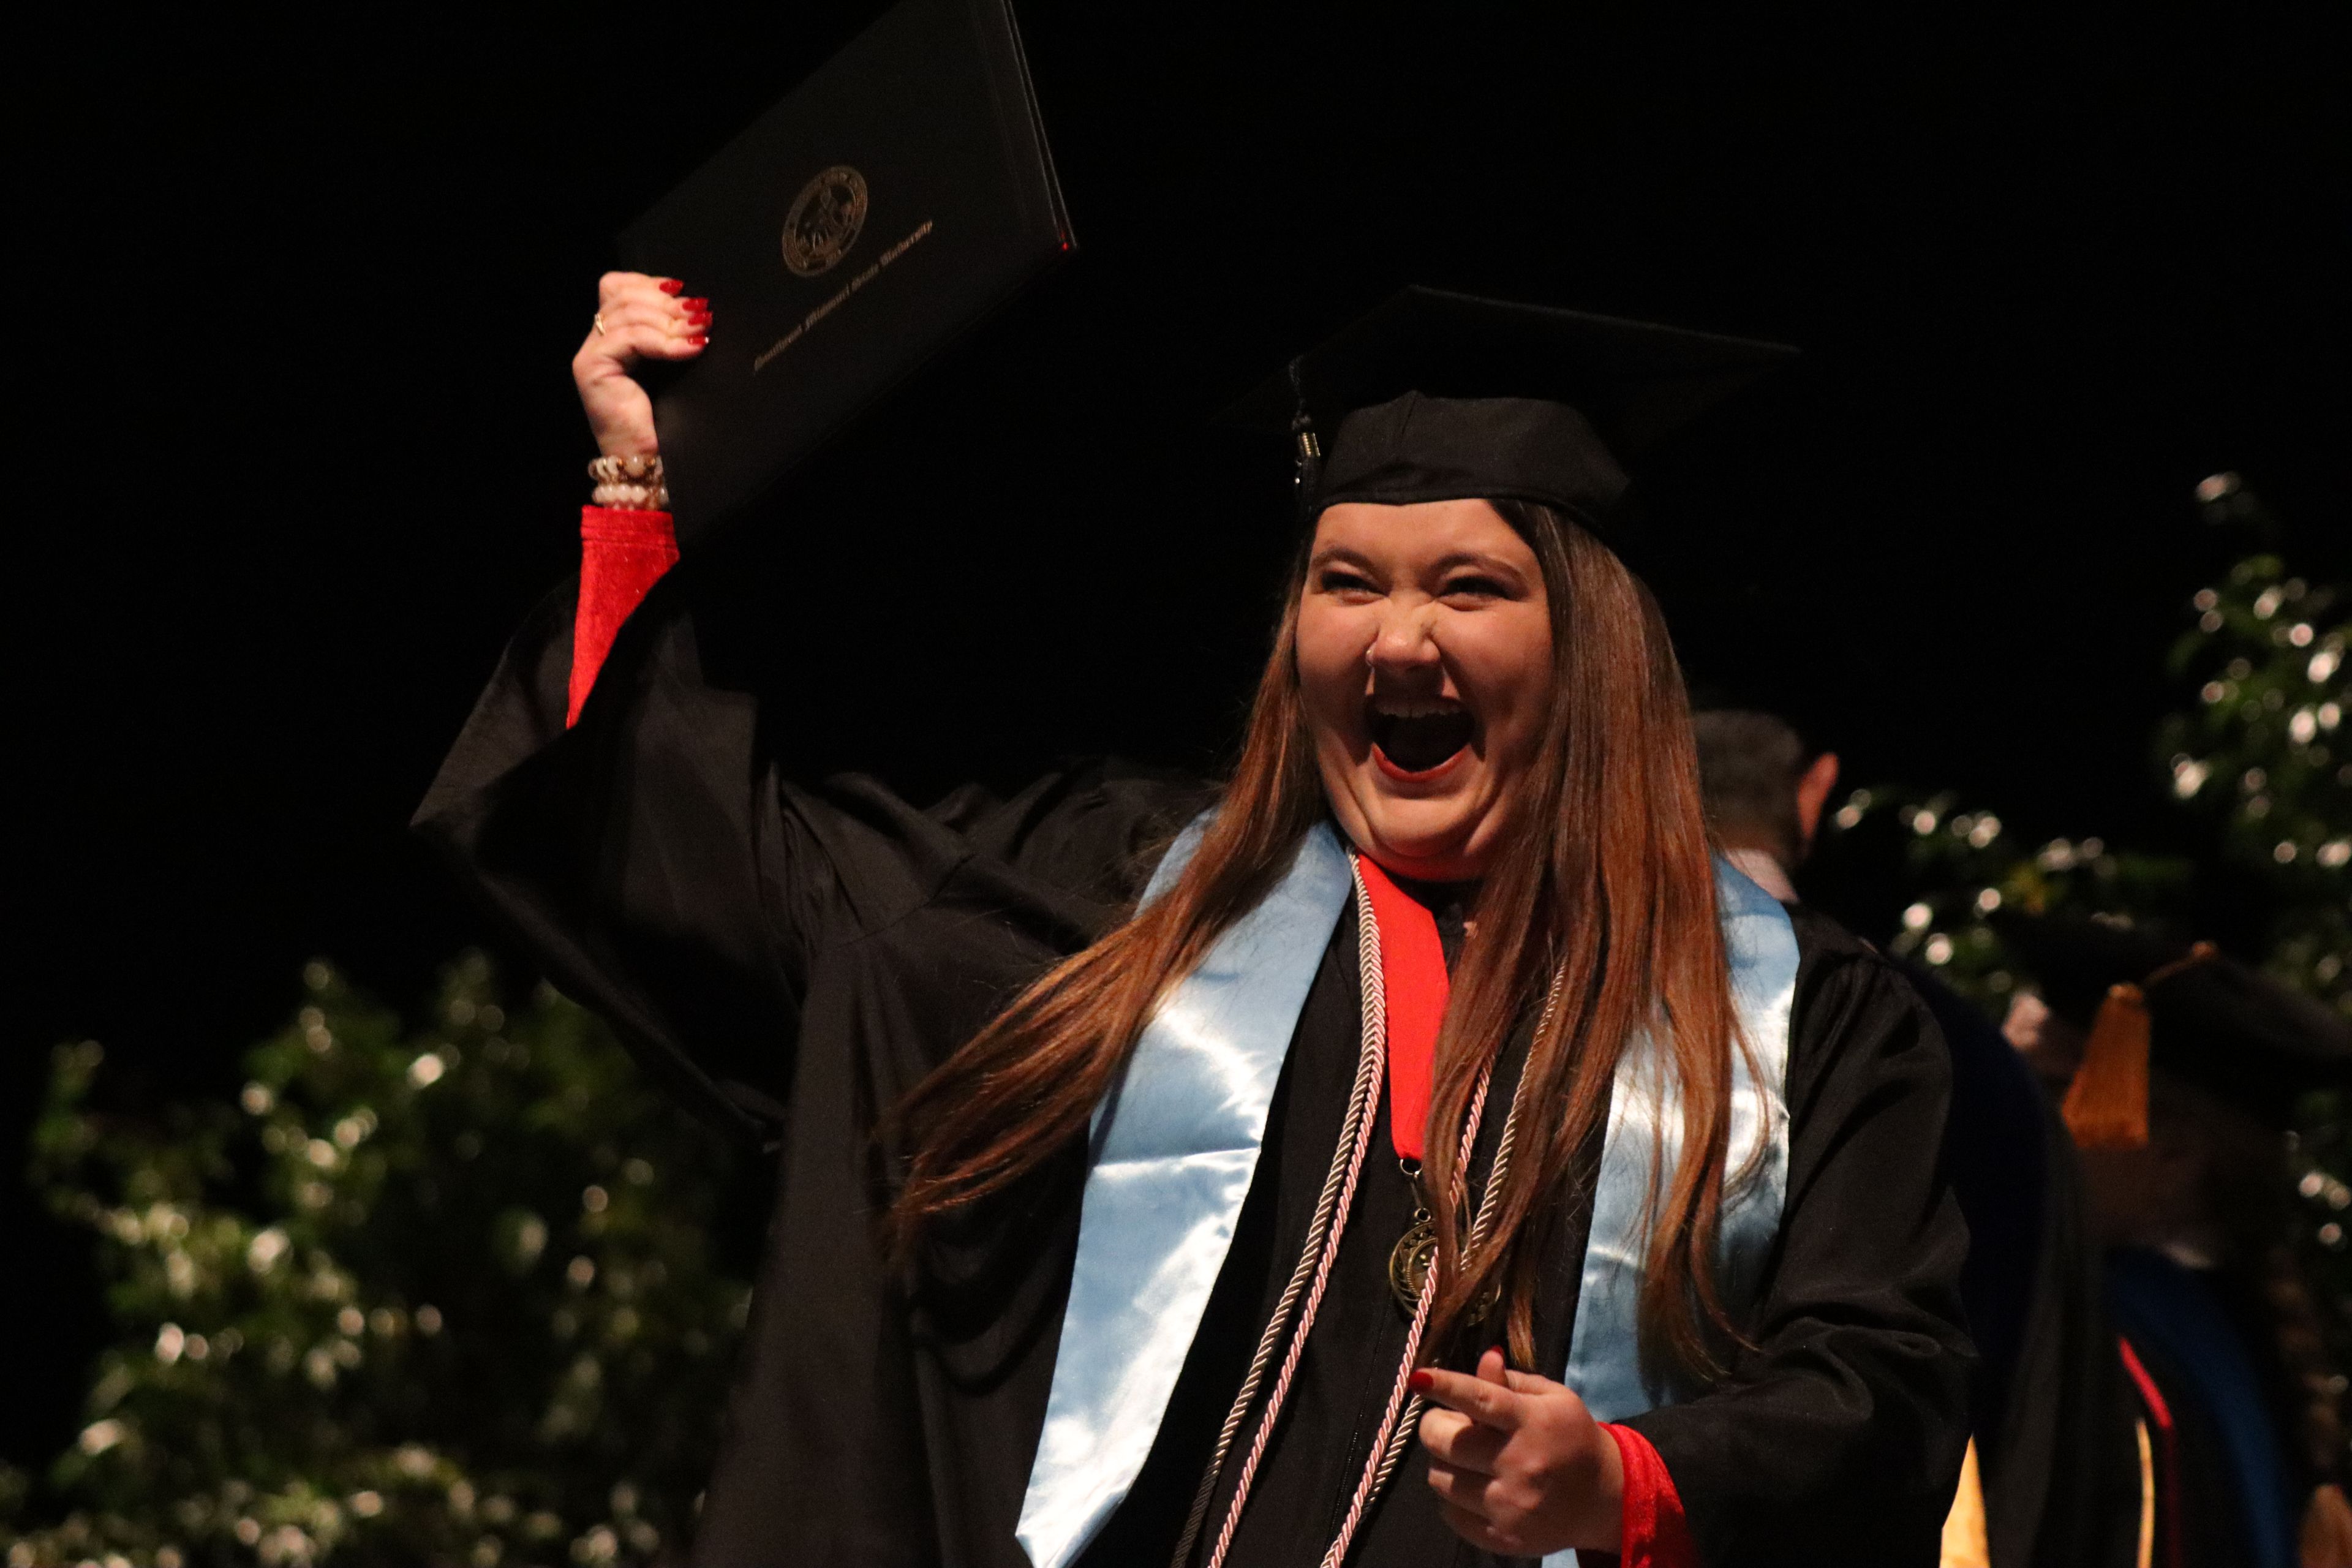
<point x="1306" y="476"/>
<point x="2107" y="1105"/>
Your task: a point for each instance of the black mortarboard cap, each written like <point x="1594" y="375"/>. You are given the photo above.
<point x="2214" y="1021"/>
<point x="1437" y="396"/>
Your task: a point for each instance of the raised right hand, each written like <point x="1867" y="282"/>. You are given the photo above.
<point x="637" y="317"/>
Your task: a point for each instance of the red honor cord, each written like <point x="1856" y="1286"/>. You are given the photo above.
<point x="1414" y="984"/>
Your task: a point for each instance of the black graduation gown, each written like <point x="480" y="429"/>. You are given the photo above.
<point x="792" y="957"/>
<point x="2056" y="1452"/>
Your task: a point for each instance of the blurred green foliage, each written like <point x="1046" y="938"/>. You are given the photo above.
<point x="2264" y="756"/>
<point x="2257" y="761"/>
<point x="2258" y="758"/>
<point x="442" y="1298"/>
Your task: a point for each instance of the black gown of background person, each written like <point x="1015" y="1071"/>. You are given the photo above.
<point x="2054" y="1442"/>
<point x="792" y="957"/>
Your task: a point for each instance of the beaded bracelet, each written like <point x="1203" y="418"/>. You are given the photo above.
<point x="632" y="483"/>
<point x="636" y="468"/>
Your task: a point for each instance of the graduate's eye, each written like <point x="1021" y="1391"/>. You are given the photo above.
<point x="1342" y="580"/>
<point x="1471" y="585"/>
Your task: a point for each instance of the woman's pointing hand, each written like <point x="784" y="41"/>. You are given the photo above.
<point x="1520" y="1466"/>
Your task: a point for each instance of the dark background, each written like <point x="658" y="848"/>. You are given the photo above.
<point x="303" y="445"/>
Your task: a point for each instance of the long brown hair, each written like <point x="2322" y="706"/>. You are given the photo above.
<point x="1608" y="884"/>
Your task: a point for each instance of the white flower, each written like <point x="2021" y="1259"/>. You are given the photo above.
<point x="266" y="1249"/>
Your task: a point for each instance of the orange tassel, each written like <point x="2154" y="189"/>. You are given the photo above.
<point x="2107" y="1105"/>
<point x="2327" y="1528"/>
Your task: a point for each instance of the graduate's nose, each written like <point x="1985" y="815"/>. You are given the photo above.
<point x="1403" y="647"/>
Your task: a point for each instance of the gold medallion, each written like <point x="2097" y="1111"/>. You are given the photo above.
<point x="1410" y="1261"/>
<point x="1415" y="1254"/>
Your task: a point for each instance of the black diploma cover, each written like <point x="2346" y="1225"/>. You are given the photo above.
<point x="899" y="195"/>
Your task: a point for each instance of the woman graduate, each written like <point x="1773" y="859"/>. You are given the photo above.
<point x="1418" y="1147"/>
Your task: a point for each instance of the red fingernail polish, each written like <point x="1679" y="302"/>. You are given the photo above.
<point x="695" y="304"/>
<point x="697" y="317"/>
<point x="1420" y="1382"/>
<point x="698" y="339"/>
<point x="671" y="285"/>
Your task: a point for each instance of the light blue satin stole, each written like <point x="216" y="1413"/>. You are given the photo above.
<point x="1176" y="1142"/>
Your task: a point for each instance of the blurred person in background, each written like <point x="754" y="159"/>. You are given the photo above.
<point x="2180" y="1068"/>
<point x="2051" y="1479"/>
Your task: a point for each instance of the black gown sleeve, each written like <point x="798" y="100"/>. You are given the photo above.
<point x="665" y="870"/>
<point x="1838" y="1439"/>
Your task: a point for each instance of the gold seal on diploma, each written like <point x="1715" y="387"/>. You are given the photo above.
<point x="824" y="221"/>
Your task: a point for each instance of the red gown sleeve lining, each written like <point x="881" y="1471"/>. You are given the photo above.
<point x="1655" y="1534"/>
<point x="622" y="556"/>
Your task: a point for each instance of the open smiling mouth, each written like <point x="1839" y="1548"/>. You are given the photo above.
<point x="1419" y="736"/>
